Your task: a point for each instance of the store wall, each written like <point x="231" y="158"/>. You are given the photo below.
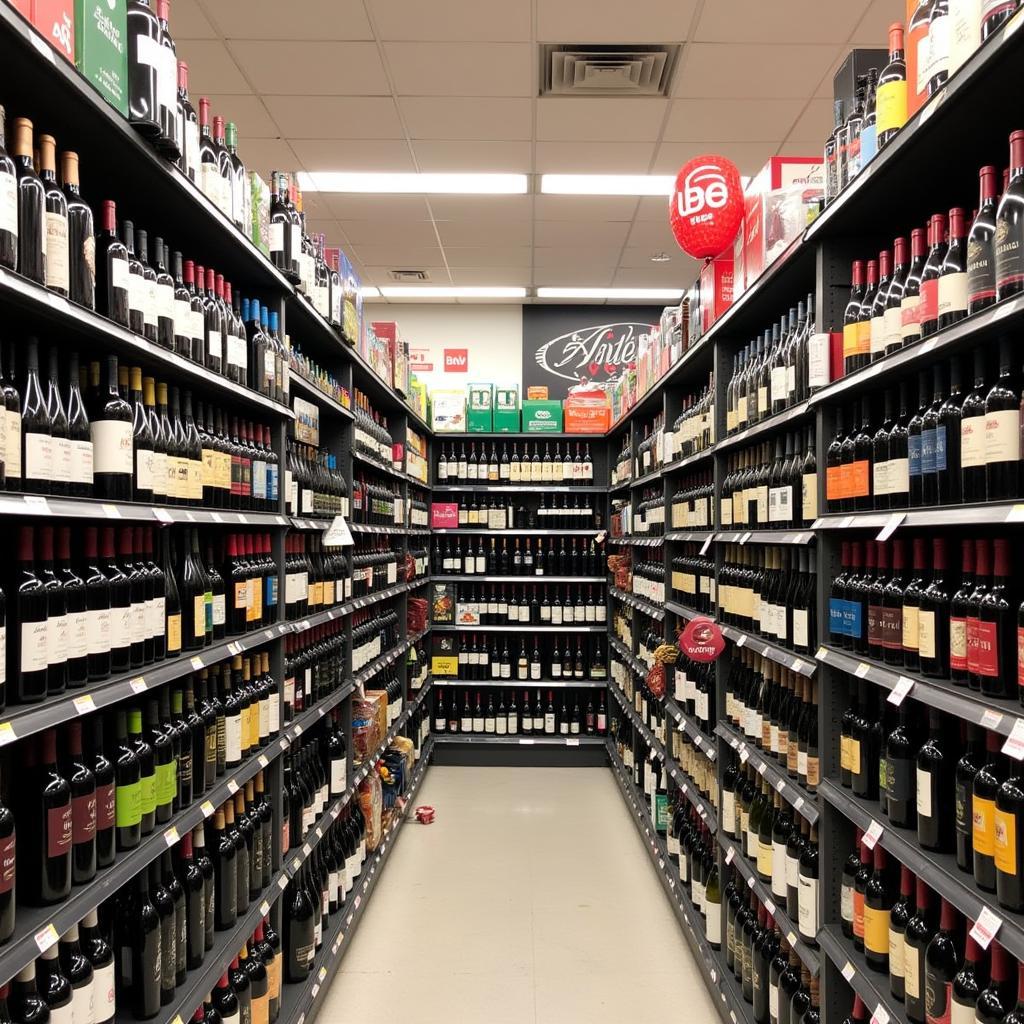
<point x="482" y="342"/>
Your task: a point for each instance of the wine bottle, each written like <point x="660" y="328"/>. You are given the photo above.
<point x="981" y="268"/>
<point x="47" y="832"/>
<point x="31" y="205"/>
<point x="8" y="202"/>
<point x="1009" y="229"/>
<point x="919" y="932"/>
<point x="80" y="235"/>
<point x="111" y="431"/>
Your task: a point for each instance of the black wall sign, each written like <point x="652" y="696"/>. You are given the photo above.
<point x="564" y="344"/>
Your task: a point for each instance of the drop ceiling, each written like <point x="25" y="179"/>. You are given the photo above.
<point x="452" y="85"/>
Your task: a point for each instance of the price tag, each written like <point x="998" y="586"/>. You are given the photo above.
<point x="729" y="854"/>
<point x="162" y="515"/>
<point x="138" y="684"/>
<point x="307" y="849"/>
<point x="37" y="504"/>
<point x="798" y="803"/>
<point x="45" y="938"/>
<point x="892" y="524"/>
<point x="323" y="973"/>
<point x="216" y="517"/>
<point x="985" y="928"/>
<point x="526" y="743"/>
<point x="900" y="691"/>
<point x="338" y="534"/>
<point x="176" y="1019"/>
<point x="315" y="990"/>
<point x="232" y="787"/>
<point x="741" y="640"/>
<point x="781" y="785"/>
<point x="762" y="768"/>
<point x="848" y="970"/>
<point x="1014" y="745"/>
<point x="234" y="649"/>
<point x="359" y="899"/>
<point x="707" y="544"/>
<point x="207" y="808"/>
<point x="862" y="670"/>
<point x="196" y="663"/>
<point x="744" y="538"/>
<point x="820" y="654"/>
<point x="750" y="882"/>
<point x="991" y="719"/>
<point x="770" y="907"/>
<point x="791" y="938"/>
<point x="744" y="755"/>
<point x="572" y="743"/>
<point x="264" y="908"/>
<point x="880" y="1016"/>
<point x="296" y="863"/>
<point x="6" y="733"/>
<point x="872" y="834"/>
<point x="84" y="704"/>
<point x="111" y="511"/>
<point x="171" y="836"/>
<point x="1015" y="515"/>
<point x="282" y="882"/>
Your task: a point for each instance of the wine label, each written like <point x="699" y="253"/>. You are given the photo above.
<point x="112" y="446"/>
<point x="953" y="293"/>
<point x="938" y="44"/>
<point x="983" y="826"/>
<point x="972" y="441"/>
<point x="38" y="456"/>
<point x="57" y="274"/>
<point x="1005" y="840"/>
<point x="58" y="830"/>
<point x="1002" y="436"/>
<point x="34" y="646"/>
<point x="891" y="105"/>
<point x="9" y="204"/>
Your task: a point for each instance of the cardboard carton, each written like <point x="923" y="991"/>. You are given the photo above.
<point x="542" y="417"/>
<point x="55" y="20"/>
<point x="715" y="290"/>
<point x="537" y="392"/>
<point x="481" y="408"/>
<point x="506" y="409"/>
<point x="101" y="48"/>
<point x="448" y="410"/>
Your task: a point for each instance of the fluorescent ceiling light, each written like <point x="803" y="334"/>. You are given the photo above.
<point x="654" y="294"/>
<point x="608" y="184"/>
<point x="440" y="292"/>
<point x="369" y="291"/>
<point x="452" y="184"/>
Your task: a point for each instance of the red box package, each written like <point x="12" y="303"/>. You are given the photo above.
<point x="715" y="289"/>
<point x="55" y="20"/>
<point x="23" y="7"/>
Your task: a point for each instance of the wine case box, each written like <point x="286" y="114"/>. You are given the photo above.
<point x="55" y="20"/>
<point x="542" y="417"/>
<point x="444" y="656"/>
<point x="448" y="410"/>
<point x="715" y="290"/>
<point x="506" y="410"/>
<point x="481" y="408"/>
<point x="856" y="65"/>
<point x="23" y="7"/>
<point x="101" y="48"/>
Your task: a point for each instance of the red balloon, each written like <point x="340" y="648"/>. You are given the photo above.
<point x="707" y="206"/>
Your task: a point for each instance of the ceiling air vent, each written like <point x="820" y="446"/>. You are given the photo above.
<point x="409" y="276"/>
<point x="604" y="70"/>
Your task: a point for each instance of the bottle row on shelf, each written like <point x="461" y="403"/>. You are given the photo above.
<point x="557" y="604"/>
<point x="462" y="465"/>
<point x="550" y="557"/>
<point x="528" y="660"/>
<point x="500" y="513"/>
<point x="501" y="712"/>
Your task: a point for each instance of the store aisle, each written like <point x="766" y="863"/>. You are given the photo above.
<point x="530" y="899"/>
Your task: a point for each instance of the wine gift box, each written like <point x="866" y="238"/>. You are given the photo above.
<point x="55" y="21"/>
<point x="101" y="51"/>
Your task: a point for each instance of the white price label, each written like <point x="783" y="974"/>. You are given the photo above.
<point x="900" y="691"/>
<point x="707" y="544"/>
<point x="264" y="908"/>
<point x="84" y="704"/>
<point x="207" y="808"/>
<point x="138" y="684"/>
<point x="892" y="524"/>
<point x="171" y="836"/>
<point x="1014" y="745"/>
<point x="880" y="1016"/>
<point x="862" y="670"/>
<point x="848" y="971"/>
<point x="872" y="834"/>
<point x="196" y="663"/>
<point x="991" y="719"/>
<point x="985" y="928"/>
<point x="45" y="938"/>
<point x="162" y="515"/>
<point x="741" y="640"/>
<point x="232" y="787"/>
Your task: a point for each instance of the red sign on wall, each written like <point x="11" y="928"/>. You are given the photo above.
<point x="444" y="515"/>
<point x="456" y="360"/>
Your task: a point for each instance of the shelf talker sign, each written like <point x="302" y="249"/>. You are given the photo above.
<point x="701" y="640"/>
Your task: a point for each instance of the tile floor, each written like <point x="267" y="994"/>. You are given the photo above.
<point x="530" y="900"/>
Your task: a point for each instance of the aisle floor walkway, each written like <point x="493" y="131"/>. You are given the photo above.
<point x="530" y="900"/>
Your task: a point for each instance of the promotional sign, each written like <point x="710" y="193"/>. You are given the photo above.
<point x="565" y="346"/>
<point x="706" y="206"/>
<point x="456" y="360"/>
<point x="444" y="515"/>
<point x="701" y="640"/>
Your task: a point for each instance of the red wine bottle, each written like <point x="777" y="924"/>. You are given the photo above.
<point x="919" y="932"/>
<point x="910" y="304"/>
<point x="941" y="964"/>
<point x="7" y="873"/>
<point x="31" y="205"/>
<point x="930" y="274"/>
<point x="9" y="202"/>
<point x="47" y="826"/>
<point x="1009" y="246"/>
<point x="981" y="266"/>
<point x="83" y="807"/>
<point x="953" y="276"/>
<point x="996" y="999"/>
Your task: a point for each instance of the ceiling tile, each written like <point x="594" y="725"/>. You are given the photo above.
<point x="376" y="208"/>
<point x="658" y="275"/>
<point x="735" y="70"/>
<point x="325" y="226"/>
<point x="467" y="117"/>
<point x="483" y="209"/>
<point x="781" y="21"/>
<point x="652" y="208"/>
<point x="873" y="28"/>
<point x="487" y="256"/>
<point x="444" y="20"/>
<point x="211" y="69"/>
<point x="579" y="232"/>
<point x="594" y="157"/>
<point x="655" y="235"/>
<point x="457" y="156"/>
<point x="266" y="155"/>
<point x="611" y="21"/>
<point x="335" y="117"/>
<point x="573" y="277"/>
<point x="681" y="268"/>
<point x="600" y="120"/>
<point x="390" y="232"/>
<point x="474" y="232"/>
<point x="397" y="255"/>
<point x="586" y="256"/>
<point x="248" y="113"/>
<point x="382" y="275"/>
<point x="749" y="157"/>
<point x="803" y="147"/>
<point x="461" y="69"/>
<point x="588" y="208"/>
<point x="314" y="68"/>
<point x="189" y="21"/>
<point x="310" y="19"/>
<point x="815" y="122"/>
<point x="353" y="155"/>
<point x="726" y="120"/>
<point x="497" y="277"/>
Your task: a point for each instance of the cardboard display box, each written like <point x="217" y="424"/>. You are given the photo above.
<point x="448" y="410"/>
<point x="481" y="408"/>
<point x="55" y="21"/>
<point x="542" y="417"/>
<point x="101" y="48"/>
<point x="506" y="410"/>
<point x="715" y="290"/>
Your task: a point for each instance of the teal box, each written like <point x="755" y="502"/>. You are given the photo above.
<point x="101" y="48"/>
<point x="506" y="410"/>
<point x="542" y="417"/>
<point x="480" y="418"/>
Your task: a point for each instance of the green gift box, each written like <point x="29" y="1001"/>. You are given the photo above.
<point x="101" y="48"/>
<point x="506" y="410"/>
<point x="480" y="418"/>
<point x="542" y="417"/>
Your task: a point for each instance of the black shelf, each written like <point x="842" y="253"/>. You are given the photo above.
<point x="639" y="542"/>
<point x="627" y="656"/>
<point x="311" y="392"/>
<point x="939" y="869"/>
<point x="518" y="629"/>
<point x="517" y="579"/>
<point x="684" y="723"/>
<point x="685" y="612"/>
<point x="766" y="426"/>
<point x="799" y="538"/>
<point x="472" y="531"/>
<point x="999" y="715"/>
<point x="994" y="513"/>
<point x="802" y="664"/>
<point x="735" y="858"/>
<point x="640" y="603"/>
<point x="514" y="435"/>
<point x="802" y="800"/>
<point x="871" y="986"/>
<point x="517" y="489"/>
<point x="523" y="741"/>
<point x="521" y="684"/>
<point x="690" y="536"/>
<point x="678" y="465"/>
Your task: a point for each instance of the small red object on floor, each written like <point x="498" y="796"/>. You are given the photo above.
<point x="425" y="814"/>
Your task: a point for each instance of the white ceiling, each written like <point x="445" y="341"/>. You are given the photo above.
<point x="451" y="85"/>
